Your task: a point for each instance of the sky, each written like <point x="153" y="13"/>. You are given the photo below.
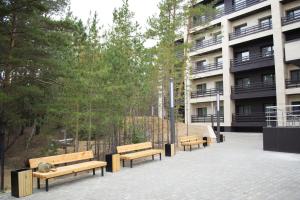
<point x="143" y="9"/>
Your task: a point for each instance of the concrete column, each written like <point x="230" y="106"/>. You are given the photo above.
<point x="278" y="39"/>
<point x="228" y="78"/>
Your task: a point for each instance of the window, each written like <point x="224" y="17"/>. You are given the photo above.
<point x="219" y="60"/>
<point x="267" y="51"/>
<point x="295" y="75"/>
<point x="199" y="42"/>
<point x="265" y="22"/>
<point x="219" y="85"/>
<point x="221" y="110"/>
<point x="243" y="56"/>
<point x="268" y="78"/>
<point x="201" y="88"/>
<point x="201" y="64"/>
<point x="296" y="108"/>
<point x="244" y="109"/>
<point x="218" y="36"/>
<point x="201" y="112"/>
<point x="293" y="14"/>
<point x="219" y="7"/>
<point x="238" y="30"/>
<point x="244" y="82"/>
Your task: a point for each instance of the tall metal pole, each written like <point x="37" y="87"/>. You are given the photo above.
<point x="172" y="118"/>
<point x="218" y="117"/>
<point x="2" y="157"/>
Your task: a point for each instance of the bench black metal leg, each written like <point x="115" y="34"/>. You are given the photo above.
<point x="160" y="156"/>
<point x="152" y="157"/>
<point x="102" y="171"/>
<point x="123" y="161"/>
<point x="183" y="148"/>
<point x="199" y="146"/>
<point x="47" y="185"/>
<point x="130" y="163"/>
<point x="94" y="173"/>
<point x="190" y="147"/>
<point x="38" y="183"/>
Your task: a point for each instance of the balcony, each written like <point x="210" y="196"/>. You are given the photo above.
<point x="206" y="43"/>
<point x="249" y="119"/>
<point x="206" y="119"/>
<point x="292" y="52"/>
<point x="207" y="68"/>
<point x="250" y="30"/>
<point x="290" y="19"/>
<point x="242" y="5"/>
<point x="206" y="93"/>
<point x="292" y="84"/>
<point x="203" y="20"/>
<point x="252" y="62"/>
<point x="254" y="90"/>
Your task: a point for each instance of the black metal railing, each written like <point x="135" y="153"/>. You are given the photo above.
<point x="206" y="43"/>
<point x="292" y="83"/>
<point x="290" y="19"/>
<point x="237" y="62"/>
<point x="208" y="18"/>
<point x="249" y="117"/>
<point x="253" y="87"/>
<point x="242" y="5"/>
<point x="250" y="30"/>
<point x="207" y="68"/>
<point x="206" y="119"/>
<point x="206" y="93"/>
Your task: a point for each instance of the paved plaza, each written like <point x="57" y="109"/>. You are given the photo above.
<point x="237" y="169"/>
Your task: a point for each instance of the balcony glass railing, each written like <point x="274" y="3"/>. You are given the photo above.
<point x="250" y="30"/>
<point x="203" y="20"/>
<point x="206" y="93"/>
<point x="206" y="43"/>
<point x="206" y="119"/>
<point x="290" y="19"/>
<point x="207" y="68"/>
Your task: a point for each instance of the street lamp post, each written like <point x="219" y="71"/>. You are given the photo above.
<point x="218" y="117"/>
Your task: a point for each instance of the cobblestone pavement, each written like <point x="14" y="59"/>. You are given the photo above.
<point x="236" y="169"/>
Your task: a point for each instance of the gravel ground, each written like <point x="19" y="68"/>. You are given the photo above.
<point x="236" y="169"/>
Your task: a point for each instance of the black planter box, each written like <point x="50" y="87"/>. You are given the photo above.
<point x="113" y="162"/>
<point x="21" y="182"/>
<point x="222" y="138"/>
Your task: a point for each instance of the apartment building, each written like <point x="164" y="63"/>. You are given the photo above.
<point x="249" y="53"/>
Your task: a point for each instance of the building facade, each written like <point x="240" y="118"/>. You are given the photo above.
<point x="249" y="53"/>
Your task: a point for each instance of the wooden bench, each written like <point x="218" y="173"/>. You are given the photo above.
<point x="134" y="151"/>
<point x="83" y="162"/>
<point x="192" y="140"/>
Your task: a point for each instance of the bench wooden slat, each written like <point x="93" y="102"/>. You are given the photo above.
<point x="141" y="154"/>
<point x="62" y="159"/>
<point x="134" y="147"/>
<point x="65" y="170"/>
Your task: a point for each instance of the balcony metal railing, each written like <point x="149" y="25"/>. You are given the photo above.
<point x="250" y="30"/>
<point x="292" y="83"/>
<point x="206" y="43"/>
<point x="207" y="68"/>
<point x="238" y="62"/>
<point x="253" y="87"/>
<point x="242" y="5"/>
<point x="249" y="117"/>
<point x="208" y="18"/>
<point x="206" y="119"/>
<point x="290" y="19"/>
<point x="206" y="93"/>
<point x="283" y="116"/>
